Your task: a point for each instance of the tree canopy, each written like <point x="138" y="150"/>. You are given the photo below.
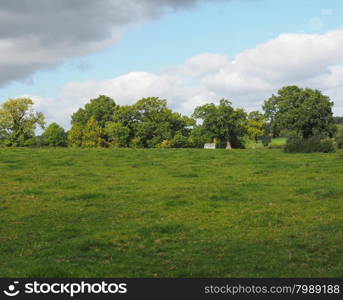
<point x="18" y="121"/>
<point x="150" y="123"/>
<point x="222" y="122"/>
<point x="304" y="111"/>
<point x="54" y="135"/>
<point x="102" y="110"/>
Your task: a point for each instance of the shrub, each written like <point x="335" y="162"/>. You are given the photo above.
<point x="164" y="144"/>
<point x="297" y="144"/>
<point x="339" y="140"/>
<point x="179" y="141"/>
<point x="36" y="141"/>
<point x="136" y="142"/>
<point x="327" y="145"/>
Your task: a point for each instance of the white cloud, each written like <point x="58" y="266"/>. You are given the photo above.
<point x="308" y="60"/>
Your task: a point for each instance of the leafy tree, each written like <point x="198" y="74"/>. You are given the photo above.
<point x="75" y="135"/>
<point x="102" y="109"/>
<point x="305" y="111"/>
<point x="256" y="125"/>
<point x="118" y="135"/>
<point x="222" y="122"/>
<point x="18" y="121"/>
<point x="198" y="137"/>
<point x="54" y="135"/>
<point x="92" y="135"/>
<point x="152" y="121"/>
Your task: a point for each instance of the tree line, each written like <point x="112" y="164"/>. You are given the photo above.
<point x="301" y="114"/>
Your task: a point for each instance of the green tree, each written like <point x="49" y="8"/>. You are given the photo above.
<point x="117" y="134"/>
<point x="101" y="109"/>
<point x="18" y="121"/>
<point x="306" y="112"/>
<point x="150" y="120"/>
<point x="256" y="125"/>
<point x="54" y="135"/>
<point x="92" y="135"/>
<point x="223" y="123"/>
<point x="75" y="135"/>
<point x="179" y="141"/>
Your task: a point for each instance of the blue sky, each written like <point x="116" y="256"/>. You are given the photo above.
<point x="160" y="44"/>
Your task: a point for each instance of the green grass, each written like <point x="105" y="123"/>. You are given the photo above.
<point x="170" y="213"/>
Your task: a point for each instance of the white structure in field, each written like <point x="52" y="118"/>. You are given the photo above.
<point x="210" y="146"/>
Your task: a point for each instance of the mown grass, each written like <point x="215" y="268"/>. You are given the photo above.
<point x="170" y="213"/>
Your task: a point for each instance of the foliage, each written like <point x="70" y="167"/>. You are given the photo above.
<point x="147" y="123"/>
<point x="305" y="111"/>
<point x="155" y="122"/>
<point x="256" y="125"/>
<point x="101" y="109"/>
<point x="93" y="134"/>
<point x="297" y="144"/>
<point x="54" y="135"/>
<point x="339" y="137"/>
<point x="198" y="137"/>
<point x="136" y="142"/>
<point x="18" y="121"/>
<point x="339" y="141"/>
<point x="164" y="144"/>
<point x="338" y="120"/>
<point x="75" y="135"/>
<point x="117" y="134"/>
<point x="89" y="136"/>
<point x="179" y="141"/>
<point x="223" y="122"/>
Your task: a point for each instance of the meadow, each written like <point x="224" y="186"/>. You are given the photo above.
<point x="68" y="212"/>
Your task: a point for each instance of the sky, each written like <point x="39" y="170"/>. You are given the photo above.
<point x="63" y="53"/>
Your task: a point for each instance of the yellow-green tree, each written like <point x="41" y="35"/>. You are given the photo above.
<point x="256" y="125"/>
<point x="93" y="135"/>
<point x="18" y="121"/>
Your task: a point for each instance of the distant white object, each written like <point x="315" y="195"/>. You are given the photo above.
<point x="210" y="146"/>
<point x="228" y="146"/>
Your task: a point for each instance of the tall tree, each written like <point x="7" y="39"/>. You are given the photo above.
<point x="304" y="111"/>
<point x="152" y="121"/>
<point x="18" y="121"/>
<point x="222" y="122"/>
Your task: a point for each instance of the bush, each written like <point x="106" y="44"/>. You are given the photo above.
<point x="298" y="144"/>
<point x="164" y="144"/>
<point x="327" y="146"/>
<point x="339" y="140"/>
<point x="136" y="142"/>
<point x="179" y="141"/>
<point x="36" y="141"/>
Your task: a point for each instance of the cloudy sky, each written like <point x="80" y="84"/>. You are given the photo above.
<point x="62" y="53"/>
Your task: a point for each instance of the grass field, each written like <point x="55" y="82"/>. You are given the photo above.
<point x="170" y="213"/>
